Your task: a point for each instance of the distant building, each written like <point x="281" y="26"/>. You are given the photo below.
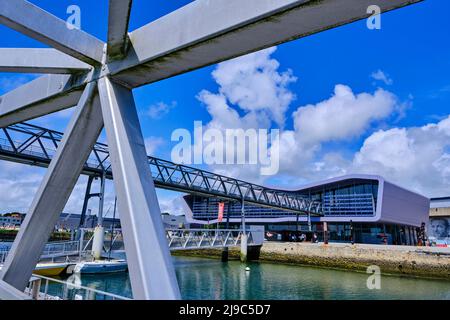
<point x="362" y="208"/>
<point x="72" y="221"/>
<point x="11" y="219"/>
<point x="174" y="222"/>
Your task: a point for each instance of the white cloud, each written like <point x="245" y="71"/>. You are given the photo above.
<point x="254" y="84"/>
<point x="152" y="144"/>
<point x="225" y="117"/>
<point x="159" y="110"/>
<point x="252" y="94"/>
<point x="174" y="206"/>
<point x="17" y="184"/>
<point x="415" y="157"/>
<point x="343" y="116"/>
<point x="260" y="95"/>
<point x="379" y="75"/>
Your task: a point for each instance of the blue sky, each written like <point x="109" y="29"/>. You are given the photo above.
<point x="411" y="51"/>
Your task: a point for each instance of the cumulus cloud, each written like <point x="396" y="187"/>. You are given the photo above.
<point x="343" y="116"/>
<point x="159" y="110"/>
<point x="19" y="184"/>
<point x="253" y="93"/>
<point x="415" y="157"/>
<point x="379" y="75"/>
<point x="152" y="144"/>
<point x="254" y="84"/>
<point x="174" y="206"/>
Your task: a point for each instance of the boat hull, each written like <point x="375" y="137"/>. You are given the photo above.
<point x="98" y="267"/>
<point x="50" y="270"/>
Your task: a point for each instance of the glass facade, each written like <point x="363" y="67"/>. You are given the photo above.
<point x="370" y="233"/>
<point x="351" y="199"/>
<point x="346" y="199"/>
<point x="207" y="209"/>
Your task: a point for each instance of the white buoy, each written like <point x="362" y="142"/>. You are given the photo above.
<point x="247" y="269"/>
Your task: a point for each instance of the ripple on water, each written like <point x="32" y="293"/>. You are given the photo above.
<point x="211" y="279"/>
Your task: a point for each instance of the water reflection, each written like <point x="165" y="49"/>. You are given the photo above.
<point x="212" y="279"/>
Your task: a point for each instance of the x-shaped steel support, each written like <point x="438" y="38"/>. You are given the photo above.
<point x="98" y="77"/>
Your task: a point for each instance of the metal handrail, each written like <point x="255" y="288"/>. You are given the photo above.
<point x="52" y="249"/>
<point x="180" y="239"/>
<point x="35" y="284"/>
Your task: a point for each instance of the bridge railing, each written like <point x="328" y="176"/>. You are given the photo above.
<point x="51" y="250"/>
<point x="61" y="248"/>
<point x="44" y="288"/>
<point x="203" y="238"/>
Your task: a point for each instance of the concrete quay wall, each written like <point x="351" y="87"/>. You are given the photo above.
<point x="414" y="261"/>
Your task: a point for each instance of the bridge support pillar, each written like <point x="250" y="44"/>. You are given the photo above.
<point x="244" y="247"/>
<point x="97" y="242"/>
<point x="55" y="189"/>
<point x="152" y="274"/>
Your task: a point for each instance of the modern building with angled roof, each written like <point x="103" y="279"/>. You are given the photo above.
<point x="359" y="208"/>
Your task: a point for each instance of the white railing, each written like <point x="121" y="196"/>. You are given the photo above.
<point x="180" y="239"/>
<point x="61" y="248"/>
<point x="52" y="250"/>
<point x="44" y="288"/>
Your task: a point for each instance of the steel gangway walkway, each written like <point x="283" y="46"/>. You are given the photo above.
<point x="34" y="145"/>
<point x="207" y="239"/>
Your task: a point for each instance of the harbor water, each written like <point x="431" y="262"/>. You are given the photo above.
<point x="211" y="279"/>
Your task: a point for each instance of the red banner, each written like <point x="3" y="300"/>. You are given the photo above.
<point x="221" y="208"/>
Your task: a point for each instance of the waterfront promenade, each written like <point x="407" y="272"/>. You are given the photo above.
<point x="433" y="262"/>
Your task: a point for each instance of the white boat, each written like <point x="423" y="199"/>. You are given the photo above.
<point x="101" y="266"/>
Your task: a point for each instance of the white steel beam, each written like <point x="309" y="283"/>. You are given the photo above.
<point x="30" y="60"/>
<point x="36" y="23"/>
<point x="59" y="181"/>
<point x="206" y="32"/>
<point x="118" y="19"/>
<point x="8" y="292"/>
<point x="152" y="273"/>
<point x="44" y="95"/>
